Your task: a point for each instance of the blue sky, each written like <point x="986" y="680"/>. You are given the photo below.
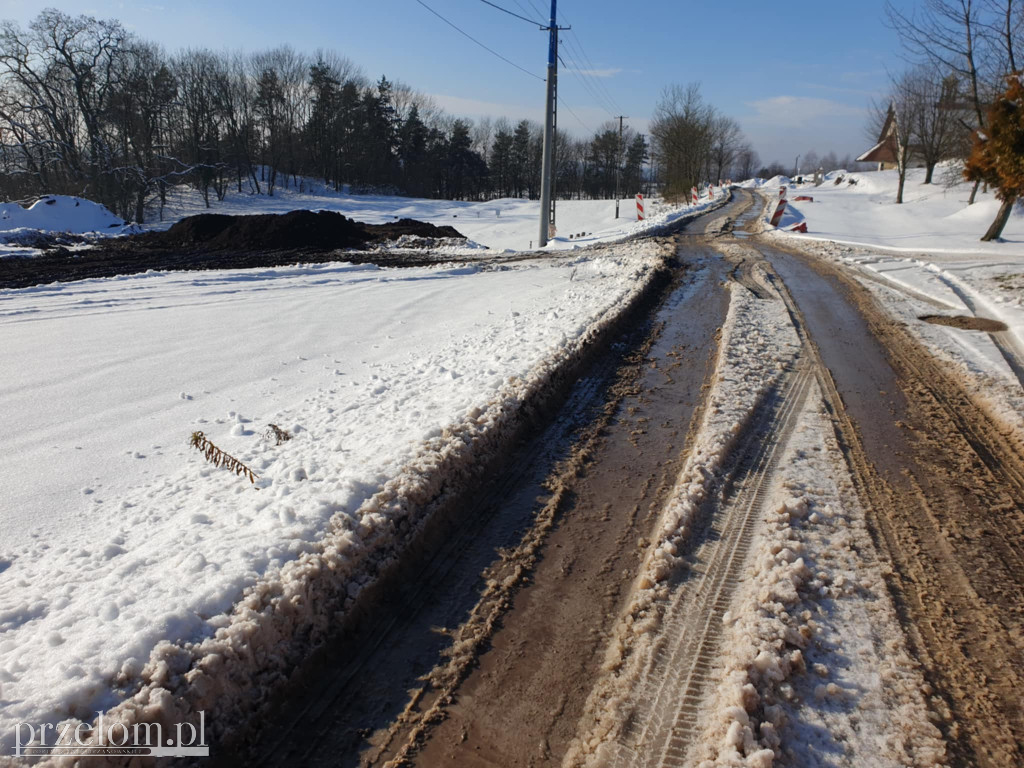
<point x="797" y="75"/>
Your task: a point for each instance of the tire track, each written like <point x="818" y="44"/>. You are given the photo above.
<point x="665" y="722"/>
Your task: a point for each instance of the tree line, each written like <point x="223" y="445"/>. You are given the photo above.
<point x="88" y="108"/>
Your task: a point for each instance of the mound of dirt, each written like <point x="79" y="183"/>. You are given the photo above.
<point x="297" y="230"/>
<point x="402" y="227"/>
<point x="217" y="241"/>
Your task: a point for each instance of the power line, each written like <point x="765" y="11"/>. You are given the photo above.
<point x="489" y="50"/>
<point x="578" y="118"/>
<point x="578" y="73"/>
<point x="578" y="46"/>
<point x="535" y="8"/>
<point x="510" y="13"/>
<point x="523" y="8"/>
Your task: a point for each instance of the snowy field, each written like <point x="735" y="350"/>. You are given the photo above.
<point x="505" y="224"/>
<point x="933" y="219"/>
<point x="117" y="535"/>
<point x="499" y="225"/>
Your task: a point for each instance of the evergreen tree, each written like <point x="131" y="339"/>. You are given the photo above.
<point x="519" y="160"/>
<point x="322" y="127"/>
<point x="501" y="163"/>
<point x="412" y="155"/>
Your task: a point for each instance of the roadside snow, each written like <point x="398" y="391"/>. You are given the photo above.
<point x="121" y="546"/>
<point x="933" y="218"/>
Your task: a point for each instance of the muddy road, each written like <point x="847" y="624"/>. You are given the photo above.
<point x="484" y="652"/>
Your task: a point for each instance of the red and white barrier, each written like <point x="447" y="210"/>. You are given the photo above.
<point x="640" y="208"/>
<point x="777" y="216"/>
<point x="694" y="195"/>
<point x="782" y="193"/>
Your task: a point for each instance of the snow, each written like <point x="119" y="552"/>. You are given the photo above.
<point x="57" y="213"/>
<point x="121" y="546"/>
<point x="933" y="218"/>
<point x="507" y="224"/>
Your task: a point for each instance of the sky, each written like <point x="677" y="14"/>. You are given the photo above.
<point x="797" y="76"/>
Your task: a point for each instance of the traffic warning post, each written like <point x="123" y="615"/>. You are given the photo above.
<point x="777" y="216"/>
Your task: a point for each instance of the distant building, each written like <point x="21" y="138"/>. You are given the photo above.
<point x="886" y="151"/>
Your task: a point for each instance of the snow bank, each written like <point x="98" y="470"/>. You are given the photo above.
<point x="757" y="345"/>
<point x="56" y="213"/>
<point x="814" y="667"/>
<point x="185" y="589"/>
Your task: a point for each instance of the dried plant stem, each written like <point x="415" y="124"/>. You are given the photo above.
<point x="218" y="458"/>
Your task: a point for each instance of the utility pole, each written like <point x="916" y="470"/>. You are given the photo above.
<point x="618" y="164"/>
<point x="547" y="203"/>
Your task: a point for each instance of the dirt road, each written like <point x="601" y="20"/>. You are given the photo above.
<point x="486" y="652"/>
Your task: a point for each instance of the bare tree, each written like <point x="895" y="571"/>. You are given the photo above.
<point x="726" y="140"/>
<point x="62" y="74"/>
<point x="683" y="137"/>
<point x="936" y="129"/>
<point x="747" y="163"/>
<point x="482" y="133"/>
<point x="894" y="121"/>
<point x="975" y="40"/>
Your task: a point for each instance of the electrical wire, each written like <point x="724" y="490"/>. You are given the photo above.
<point x="578" y="46"/>
<point x="584" y="73"/>
<point x="582" y="54"/>
<point x="579" y="119"/>
<point x="489" y="50"/>
<point x="578" y="74"/>
<point x="510" y="13"/>
<point x="508" y="61"/>
<point x="523" y="8"/>
<point x="536" y="9"/>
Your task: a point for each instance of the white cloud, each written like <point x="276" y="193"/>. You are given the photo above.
<point x="581" y="121"/>
<point x="782" y="127"/>
<point x="610" y="72"/>
<point x="797" y="111"/>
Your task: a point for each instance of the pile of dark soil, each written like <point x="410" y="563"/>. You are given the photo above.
<point x="298" y="230"/>
<point x="216" y="241"/>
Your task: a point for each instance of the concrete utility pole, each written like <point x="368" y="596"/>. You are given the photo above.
<point x="618" y="165"/>
<point x="547" y="207"/>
